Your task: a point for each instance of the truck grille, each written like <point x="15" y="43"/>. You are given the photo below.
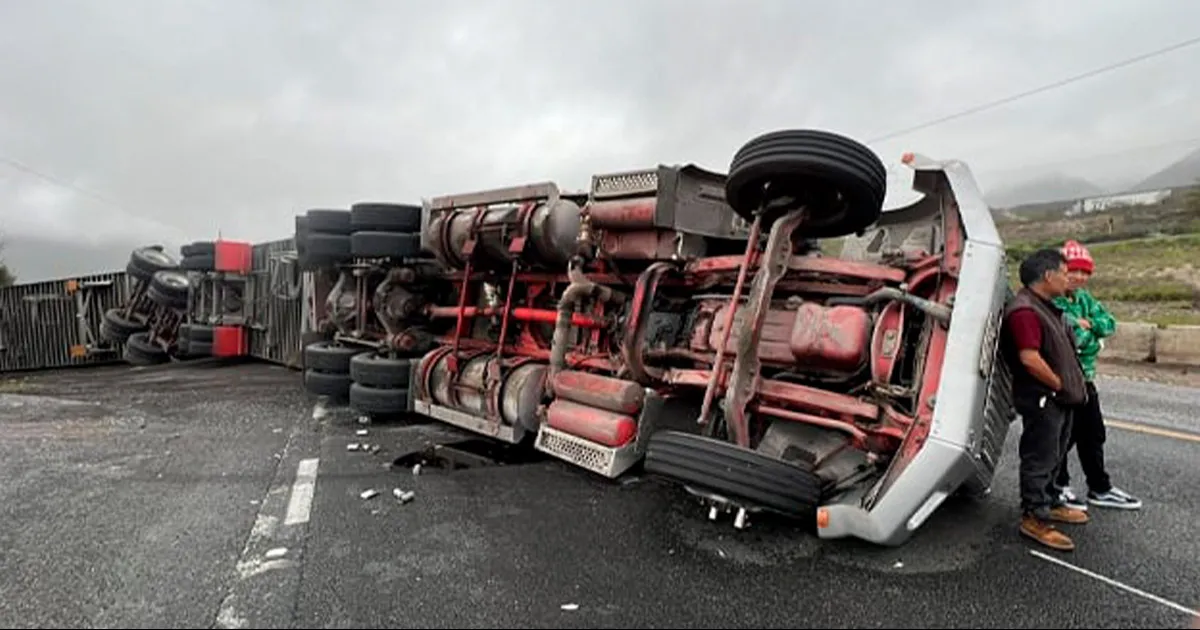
<point x="625" y="184"/>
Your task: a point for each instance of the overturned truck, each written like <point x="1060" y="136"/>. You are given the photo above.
<point x="689" y="322"/>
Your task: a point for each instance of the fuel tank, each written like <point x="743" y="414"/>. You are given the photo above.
<point x="519" y="391"/>
<point x="551" y="240"/>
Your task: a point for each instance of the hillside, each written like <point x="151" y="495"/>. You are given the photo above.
<point x="1185" y="172"/>
<point x="1048" y="188"/>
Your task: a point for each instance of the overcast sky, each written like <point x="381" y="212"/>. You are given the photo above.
<point x="195" y="116"/>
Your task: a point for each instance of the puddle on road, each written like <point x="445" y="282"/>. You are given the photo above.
<point x="464" y="454"/>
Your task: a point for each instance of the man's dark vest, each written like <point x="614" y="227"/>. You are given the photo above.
<point x="1057" y="350"/>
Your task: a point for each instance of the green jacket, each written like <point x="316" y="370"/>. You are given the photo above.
<point x="1082" y="305"/>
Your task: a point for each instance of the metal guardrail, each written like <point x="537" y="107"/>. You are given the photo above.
<point x="56" y="323"/>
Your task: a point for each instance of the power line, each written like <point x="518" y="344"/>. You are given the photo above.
<point x="58" y="182"/>
<point x="1038" y="90"/>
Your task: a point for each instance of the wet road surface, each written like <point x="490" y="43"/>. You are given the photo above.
<point x="209" y="495"/>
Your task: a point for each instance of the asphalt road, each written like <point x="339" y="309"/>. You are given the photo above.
<point x="205" y="496"/>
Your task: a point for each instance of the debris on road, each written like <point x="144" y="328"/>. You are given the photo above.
<point x="570" y="606"/>
<point x="360" y="432"/>
<point x="369" y="494"/>
<point x="352" y="447"/>
<point x="277" y="552"/>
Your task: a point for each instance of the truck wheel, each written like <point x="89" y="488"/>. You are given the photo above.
<point x="378" y="400"/>
<point x="198" y="248"/>
<point x="733" y="472"/>
<point x="385" y="217"/>
<point x="374" y="370"/>
<point x="169" y="289"/>
<point x="842" y="182"/>
<point x="139" y="350"/>
<point x="385" y="245"/>
<point x="116" y="328"/>
<point x="327" y="384"/>
<point x="144" y="262"/>
<point x="325" y="356"/>
<point x="328" y="222"/>
<point x="326" y="250"/>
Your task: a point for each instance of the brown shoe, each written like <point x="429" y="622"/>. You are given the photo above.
<point x="1045" y="533"/>
<point x="1064" y="514"/>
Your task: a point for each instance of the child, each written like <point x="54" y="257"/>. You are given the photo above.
<point x="1092" y="323"/>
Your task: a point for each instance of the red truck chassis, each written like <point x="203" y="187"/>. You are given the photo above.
<point x="689" y="322"/>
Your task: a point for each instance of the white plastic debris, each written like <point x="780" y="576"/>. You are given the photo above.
<point x="416" y="470"/>
<point x="404" y="496"/>
<point x="364" y="419"/>
<point x="360" y="432"/>
<point x="569" y="607"/>
<point x="277" y="552"/>
<point x="319" y="410"/>
<point x="352" y="447"/>
<point x="369" y="494"/>
<point x="375" y="448"/>
<point x="898" y="565"/>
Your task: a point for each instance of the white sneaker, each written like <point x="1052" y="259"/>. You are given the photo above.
<point x="1115" y="498"/>
<point x="1068" y="498"/>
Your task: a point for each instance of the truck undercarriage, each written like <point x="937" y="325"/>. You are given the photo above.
<point x="689" y="323"/>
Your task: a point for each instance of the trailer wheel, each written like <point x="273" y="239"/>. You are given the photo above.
<point x="169" y="289"/>
<point x="323" y="250"/>
<point x="842" y="182"/>
<point x="139" y="350"/>
<point x="385" y="217"/>
<point x="328" y="222"/>
<point x="199" y="332"/>
<point x="735" y="473"/>
<point x="327" y="384"/>
<point x="199" y="262"/>
<point x="198" y="248"/>
<point x="116" y="328"/>
<point x="378" y="400"/>
<point x="373" y="370"/>
<point x="385" y="245"/>
<point x="326" y="356"/>
<point x="144" y="262"/>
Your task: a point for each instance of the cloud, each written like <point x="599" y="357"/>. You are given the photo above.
<point x="234" y="115"/>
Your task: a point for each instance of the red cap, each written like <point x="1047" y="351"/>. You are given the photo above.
<point x="1078" y="257"/>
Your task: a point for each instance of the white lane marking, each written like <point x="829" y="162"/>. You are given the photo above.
<point x="300" y="504"/>
<point x="1111" y="582"/>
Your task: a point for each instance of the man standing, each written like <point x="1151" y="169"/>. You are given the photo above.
<point x="1092" y="323"/>
<point x="1047" y="384"/>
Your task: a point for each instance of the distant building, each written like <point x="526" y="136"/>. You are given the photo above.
<point x="1126" y="200"/>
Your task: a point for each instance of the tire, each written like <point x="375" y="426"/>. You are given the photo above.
<point x="335" y="222"/>
<point x="169" y="289"/>
<point x="733" y="472"/>
<point x="144" y="262"/>
<point x="198" y="248"/>
<point x="324" y="356"/>
<point x="385" y="245"/>
<point x="199" y="348"/>
<point x="116" y="328"/>
<point x="841" y="181"/>
<point x="380" y="400"/>
<point x="200" y="333"/>
<point x="327" y="249"/>
<point x="327" y="384"/>
<point x="373" y="370"/>
<point x="140" y="351"/>
<point x="199" y="262"/>
<point x="385" y="217"/>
